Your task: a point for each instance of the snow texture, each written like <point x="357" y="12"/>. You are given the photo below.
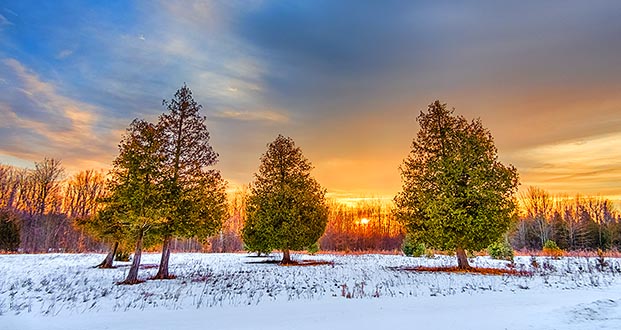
<point x="236" y="291"/>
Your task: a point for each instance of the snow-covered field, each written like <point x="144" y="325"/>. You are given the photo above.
<point x="233" y="291"/>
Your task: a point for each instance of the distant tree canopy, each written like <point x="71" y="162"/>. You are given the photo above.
<point x="574" y="223"/>
<point x="456" y="194"/>
<point x="286" y="207"/>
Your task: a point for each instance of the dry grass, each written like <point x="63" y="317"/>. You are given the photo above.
<point x="308" y="263"/>
<point x="295" y="262"/>
<point x="472" y="270"/>
<point x="577" y="253"/>
<point x="142" y="266"/>
<point x="358" y="253"/>
<point x="130" y="282"/>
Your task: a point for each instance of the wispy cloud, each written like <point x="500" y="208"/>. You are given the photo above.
<point x="38" y="121"/>
<point x="4" y="21"/>
<point x="64" y="54"/>
<point x="338" y="76"/>
<point x="268" y="116"/>
<point x="590" y="165"/>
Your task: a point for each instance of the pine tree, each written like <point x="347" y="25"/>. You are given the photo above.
<point x="135" y="201"/>
<point x="456" y="194"/>
<point x="286" y="207"/>
<point x="195" y="195"/>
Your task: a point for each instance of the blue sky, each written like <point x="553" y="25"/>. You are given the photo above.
<point x="345" y="79"/>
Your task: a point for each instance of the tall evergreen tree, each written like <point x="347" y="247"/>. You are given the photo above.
<point x="195" y="197"/>
<point x="456" y="194"/>
<point x="286" y="207"/>
<point x="135" y="201"/>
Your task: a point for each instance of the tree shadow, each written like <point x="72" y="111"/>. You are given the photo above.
<point x="470" y="270"/>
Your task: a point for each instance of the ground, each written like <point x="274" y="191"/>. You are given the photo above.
<point x="237" y="291"/>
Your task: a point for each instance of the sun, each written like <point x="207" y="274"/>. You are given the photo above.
<point x="364" y="221"/>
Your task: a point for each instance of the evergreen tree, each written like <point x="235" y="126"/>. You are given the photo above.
<point x="456" y="194"/>
<point x="106" y="225"/>
<point x="9" y="231"/>
<point x="84" y="194"/>
<point x="135" y="201"/>
<point x="286" y="207"/>
<point x="195" y="195"/>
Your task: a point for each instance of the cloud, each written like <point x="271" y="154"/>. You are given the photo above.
<point x="344" y="78"/>
<point x="4" y="21"/>
<point x="64" y="54"/>
<point x="118" y="76"/>
<point x="589" y="166"/>
<point x="267" y="116"/>
<point x="38" y="121"/>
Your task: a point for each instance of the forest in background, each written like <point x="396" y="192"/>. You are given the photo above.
<point x="39" y="209"/>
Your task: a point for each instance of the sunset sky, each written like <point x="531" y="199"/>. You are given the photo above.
<point x="344" y="79"/>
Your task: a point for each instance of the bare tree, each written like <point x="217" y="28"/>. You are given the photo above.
<point x="40" y="198"/>
<point x="83" y="194"/>
<point x="600" y="211"/>
<point x="577" y="231"/>
<point x="538" y="206"/>
<point x="47" y="177"/>
<point x="9" y="186"/>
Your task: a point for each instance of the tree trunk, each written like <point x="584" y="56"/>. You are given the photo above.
<point x="132" y="276"/>
<point x="462" y="259"/>
<point x="286" y="257"/>
<point x="107" y="263"/>
<point x="162" y="273"/>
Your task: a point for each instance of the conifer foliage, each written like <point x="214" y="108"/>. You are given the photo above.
<point x="286" y="208"/>
<point x="456" y="194"/>
<point x="9" y="231"/>
<point x="194" y="194"/>
<point x="162" y="185"/>
<point x="135" y="188"/>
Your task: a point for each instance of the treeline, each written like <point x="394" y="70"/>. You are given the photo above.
<point x="368" y="225"/>
<point x="574" y="223"/>
<point x="346" y="230"/>
<point x="39" y="208"/>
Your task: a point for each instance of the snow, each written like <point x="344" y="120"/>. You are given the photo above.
<point x="233" y="291"/>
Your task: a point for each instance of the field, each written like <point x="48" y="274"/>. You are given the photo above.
<point x="238" y="291"/>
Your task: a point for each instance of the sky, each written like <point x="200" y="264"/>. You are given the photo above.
<point x="344" y="79"/>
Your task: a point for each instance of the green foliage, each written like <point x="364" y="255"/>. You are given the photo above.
<point x="286" y="207"/>
<point x="9" y="231"/>
<point x="550" y="245"/>
<point x="134" y="205"/>
<point x="256" y="238"/>
<point x="430" y="253"/>
<point x="194" y="194"/>
<point x="456" y="194"/>
<point x="550" y="248"/>
<point x="313" y="248"/>
<point x="105" y="225"/>
<point x="500" y="250"/>
<point x="412" y="248"/>
<point x="122" y="255"/>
